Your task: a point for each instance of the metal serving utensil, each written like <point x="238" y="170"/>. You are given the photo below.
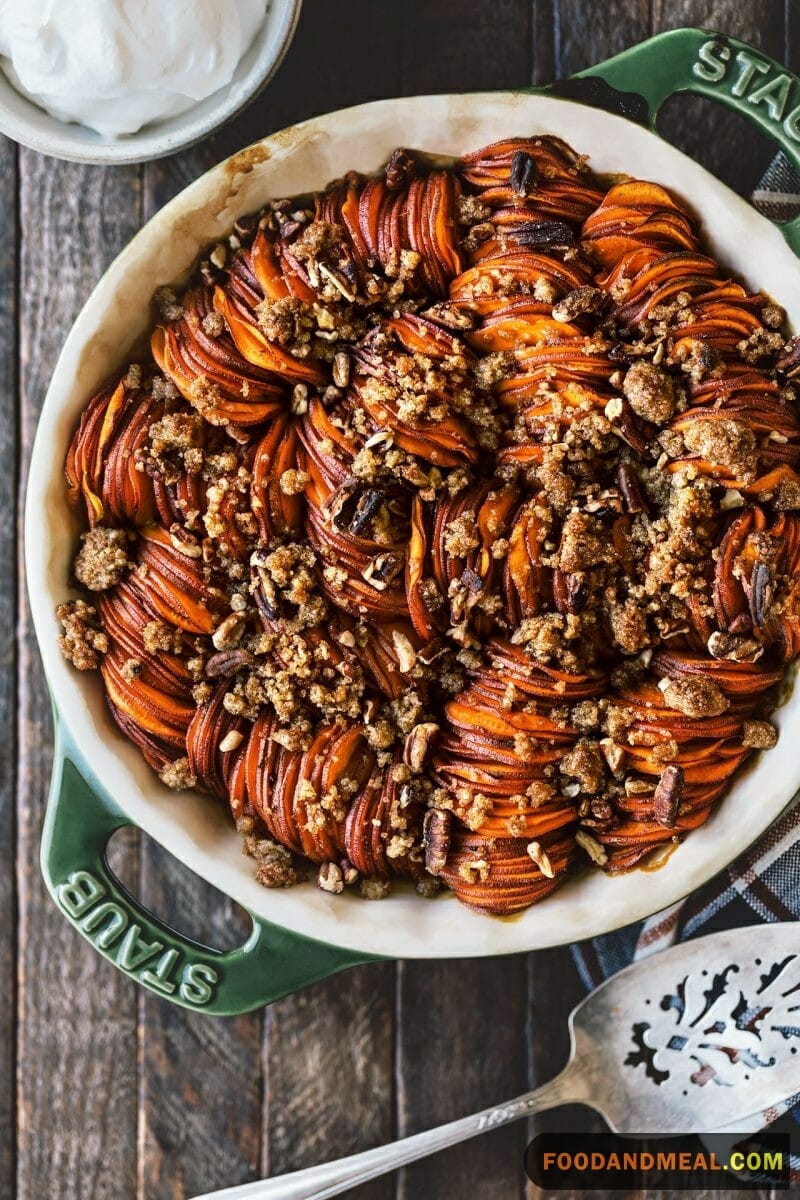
<point x="697" y="1037"/>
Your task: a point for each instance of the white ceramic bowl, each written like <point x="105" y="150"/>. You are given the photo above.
<point x="30" y="125"/>
<point x="195" y="828"/>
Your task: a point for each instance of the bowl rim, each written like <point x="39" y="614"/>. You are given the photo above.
<point x="26" y="123"/>
<point x="402" y="925"/>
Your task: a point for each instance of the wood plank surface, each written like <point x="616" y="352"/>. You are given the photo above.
<point x="108" y="1092"/>
<point x="9" y="433"/>
<point x="76" y="1044"/>
<point x="551" y="973"/>
<point x="461" y="46"/>
<point x="200" y="1080"/>
<point x="330" y="1062"/>
<point x="461" y="1047"/>
<point x="584" y="33"/>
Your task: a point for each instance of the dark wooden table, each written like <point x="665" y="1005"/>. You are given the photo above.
<point x="106" y="1091"/>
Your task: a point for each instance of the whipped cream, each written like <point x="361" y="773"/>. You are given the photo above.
<point x="116" y="65"/>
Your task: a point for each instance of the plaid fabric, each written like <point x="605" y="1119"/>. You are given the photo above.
<point x="764" y="883"/>
<point x="777" y="195"/>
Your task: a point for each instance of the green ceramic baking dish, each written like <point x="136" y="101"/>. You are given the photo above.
<point x="100" y="782"/>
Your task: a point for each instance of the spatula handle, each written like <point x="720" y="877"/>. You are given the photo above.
<point x="330" y="1179"/>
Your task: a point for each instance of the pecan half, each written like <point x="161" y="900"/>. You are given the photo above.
<point x="436" y="839"/>
<point x="630" y="489"/>
<point x="227" y="663"/>
<point x="537" y="234"/>
<point x="667" y="796"/>
<point x="228" y="632"/>
<point x="761" y="593"/>
<point x="523" y="174"/>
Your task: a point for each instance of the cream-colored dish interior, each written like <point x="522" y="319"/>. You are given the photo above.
<point x="195" y="828"/>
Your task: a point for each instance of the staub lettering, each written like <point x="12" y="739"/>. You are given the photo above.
<point x="747" y="77"/>
<point x="111" y="927"/>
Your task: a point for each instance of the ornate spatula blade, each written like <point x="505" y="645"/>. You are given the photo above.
<point x="698" y="1036"/>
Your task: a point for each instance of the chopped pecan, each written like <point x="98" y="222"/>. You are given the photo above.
<point x="229" y="631"/>
<point x="419" y="744"/>
<point x="400" y="169"/>
<point x="577" y="302"/>
<point x="761" y="593"/>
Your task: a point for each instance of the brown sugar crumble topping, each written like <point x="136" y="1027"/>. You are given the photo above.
<point x="102" y="559"/>
<point x="83" y="640"/>
<point x="449" y="530"/>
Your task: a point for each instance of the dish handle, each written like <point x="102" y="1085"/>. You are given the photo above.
<point x="272" y="962"/>
<point x="636" y="83"/>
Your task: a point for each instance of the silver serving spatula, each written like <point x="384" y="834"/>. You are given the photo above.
<point x="696" y="1038"/>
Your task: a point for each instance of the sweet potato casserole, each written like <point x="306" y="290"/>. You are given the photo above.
<point x="449" y="528"/>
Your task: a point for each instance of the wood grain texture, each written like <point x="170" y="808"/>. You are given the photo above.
<point x="76" y="1051"/>
<point x="543" y="51"/>
<point x="200" y="1087"/>
<point x="585" y="33"/>
<point x="792" y="37"/>
<point x="551" y="975"/>
<point x="460" y="46"/>
<point x="8" y="654"/>
<point x="329" y="1054"/>
<point x="113" y="1093"/>
<point x="461" y="1047"/>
